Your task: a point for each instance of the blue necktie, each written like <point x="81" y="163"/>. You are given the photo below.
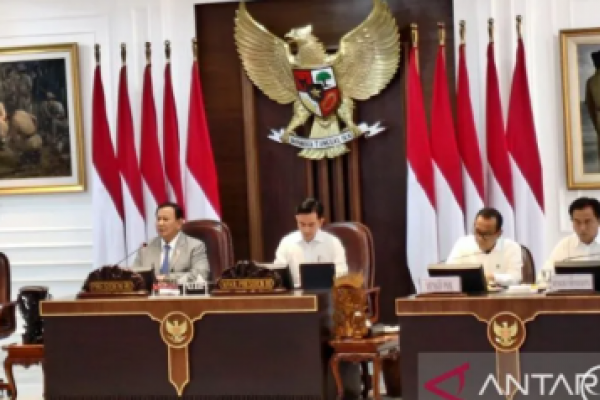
<point x="164" y="269"/>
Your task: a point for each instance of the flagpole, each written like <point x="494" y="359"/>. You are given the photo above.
<point x="491" y="29"/>
<point x="148" y="53"/>
<point x="168" y="51"/>
<point x="462" y="28"/>
<point x="519" y="25"/>
<point x="97" y="53"/>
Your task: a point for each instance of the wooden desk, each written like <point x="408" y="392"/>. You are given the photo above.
<point x="195" y="347"/>
<point x="24" y="355"/>
<point x="547" y="324"/>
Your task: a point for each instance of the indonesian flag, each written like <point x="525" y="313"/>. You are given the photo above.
<point x="133" y="200"/>
<point x="171" y="142"/>
<point x="151" y="166"/>
<point x="468" y="143"/>
<point x="107" y="197"/>
<point x="526" y="165"/>
<point x="201" y="186"/>
<point x="447" y="166"/>
<point x="500" y="190"/>
<point x="422" y="249"/>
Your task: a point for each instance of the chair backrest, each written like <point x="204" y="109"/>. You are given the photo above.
<point x="5" y="281"/>
<point x="217" y="238"/>
<point x="528" y="271"/>
<point x="358" y="243"/>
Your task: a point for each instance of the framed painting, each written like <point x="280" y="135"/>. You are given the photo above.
<point x="41" y="131"/>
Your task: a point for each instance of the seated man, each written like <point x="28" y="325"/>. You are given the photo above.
<point x="173" y="254"/>
<point x="501" y="258"/>
<point x="309" y="243"/>
<point x="582" y="245"/>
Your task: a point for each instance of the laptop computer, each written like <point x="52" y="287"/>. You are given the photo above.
<point x="317" y="276"/>
<point x="472" y="276"/>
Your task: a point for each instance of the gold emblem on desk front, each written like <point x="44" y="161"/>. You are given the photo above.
<point x="177" y="331"/>
<point x="506" y="333"/>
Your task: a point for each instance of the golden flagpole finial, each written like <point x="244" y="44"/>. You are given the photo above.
<point x="148" y="53"/>
<point x="519" y="25"/>
<point x="462" y="30"/>
<point x="168" y="50"/>
<point x="491" y="29"/>
<point x="123" y="53"/>
<point x="195" y="48"/>
<point x="414" y="35"/>
<point x="97" y="53"/>
<point x="441" y="33"/>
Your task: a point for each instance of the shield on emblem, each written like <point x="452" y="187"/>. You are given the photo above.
<point x="318" y="90"/>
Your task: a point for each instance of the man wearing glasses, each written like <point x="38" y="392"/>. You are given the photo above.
<point x="582" y="245"/>
<point x="501" y="258"/>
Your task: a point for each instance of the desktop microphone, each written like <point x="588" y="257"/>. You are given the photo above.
<point x="444" y="261"/>
<point x="144" y="244"/>
<point x="580" y="256"/>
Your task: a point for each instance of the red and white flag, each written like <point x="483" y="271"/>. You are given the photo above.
<point x="447" y="166"/>
<point x="527" y="168"/>
<point x="499" y="187"/>
<point x="133" y="199"/>
<point x="151" y="166"/>
<point x="171" y="143"/>
<point x="107" y="196"/>
<point x="201" y="186"/>
<point x="422" y="249"/>
<point x="468" y="144"/>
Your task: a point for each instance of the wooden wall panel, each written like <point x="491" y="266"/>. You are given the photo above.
<point x="375" y="172"/>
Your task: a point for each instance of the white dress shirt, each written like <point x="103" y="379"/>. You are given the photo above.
<point x="325" y="248"/>
<point x="172" y="245"/>
<point x="569" y="247"/>
<point x="505" y="258"/>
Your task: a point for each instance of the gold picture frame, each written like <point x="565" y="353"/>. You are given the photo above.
<point x="41" y="128"/>
<point x="580" y="62"/>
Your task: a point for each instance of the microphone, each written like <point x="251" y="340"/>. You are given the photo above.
<point x="144" y="244"/>
<point x="461" y="257"/>
<point x="580" y="256"/>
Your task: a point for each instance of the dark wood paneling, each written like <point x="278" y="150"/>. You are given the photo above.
<point x="375" y="178"/>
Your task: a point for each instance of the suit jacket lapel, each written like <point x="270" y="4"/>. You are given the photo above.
<point x="181" y="244"/>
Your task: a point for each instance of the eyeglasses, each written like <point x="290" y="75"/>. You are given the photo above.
<point x="485" y="236"/>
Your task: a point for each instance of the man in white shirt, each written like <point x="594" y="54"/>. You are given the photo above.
<point x="582" y="245"/>
<point x="309" y="244"/>
<point x="173" y="253"/>
<point x="502" y="258"/>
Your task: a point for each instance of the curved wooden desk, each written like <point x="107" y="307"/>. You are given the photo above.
<point x="180" y="347"/>
<point x="538" y="326"/>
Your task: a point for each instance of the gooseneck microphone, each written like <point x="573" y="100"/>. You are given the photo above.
<point x="444" y="261"/>
<point x="580" y="256"/>
<point x="144" y="244"/>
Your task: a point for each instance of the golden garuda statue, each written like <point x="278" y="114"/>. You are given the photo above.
<point x="298" y="70"/>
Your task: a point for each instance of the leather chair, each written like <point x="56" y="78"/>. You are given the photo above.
<point x="358" y="243"/>
<point x="528" y="271"/>
<point x="217" y="238"/>
<point x="8" y="322"/>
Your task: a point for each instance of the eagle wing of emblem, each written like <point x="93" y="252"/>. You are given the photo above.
<point x="171" y="328"/>
<point x="183" y="328"/>
<point x="265" y="58"/>
<point x="368" y="56"/>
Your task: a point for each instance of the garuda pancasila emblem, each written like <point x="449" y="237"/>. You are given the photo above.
<point x="298" y="70"/>
<point x="505" y="334"/>
<point x="177" y="331"/>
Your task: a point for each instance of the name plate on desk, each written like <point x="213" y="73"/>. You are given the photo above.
<point x="446" y="284"/>
<point x="572" y="282"/>
<point x="247" y="284"/>
<point x="111" y="286"/>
